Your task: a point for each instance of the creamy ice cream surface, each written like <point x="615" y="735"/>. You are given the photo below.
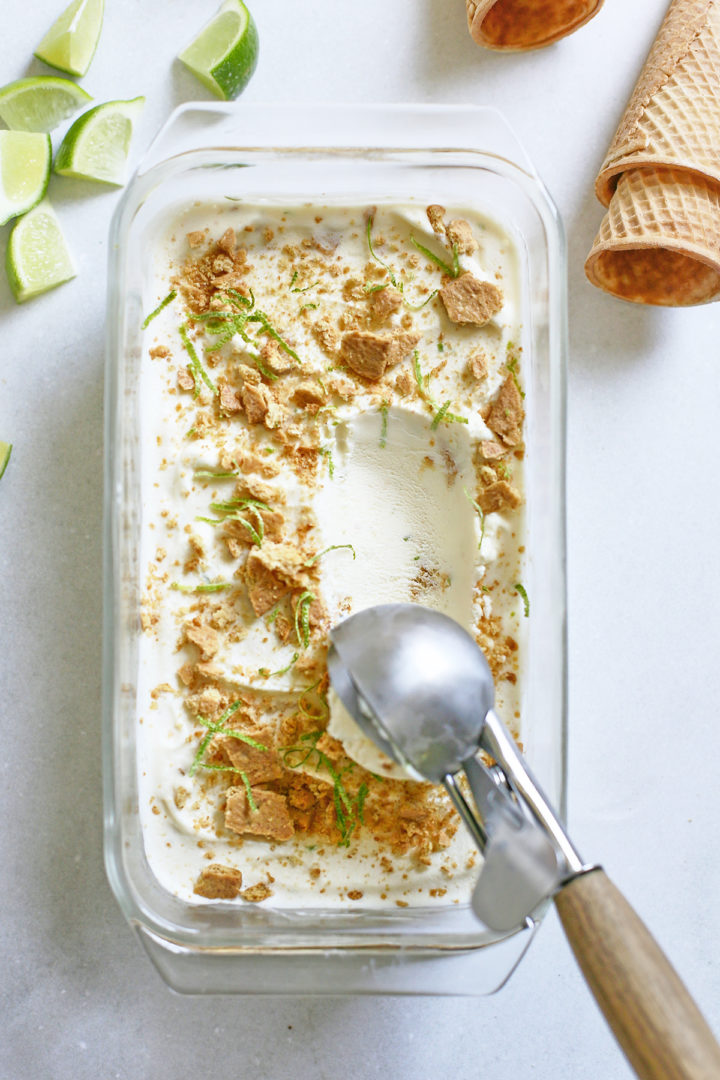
<point x="332" y="418"/>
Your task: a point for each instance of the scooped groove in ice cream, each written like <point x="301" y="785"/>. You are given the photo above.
<point x="332" y="418"/>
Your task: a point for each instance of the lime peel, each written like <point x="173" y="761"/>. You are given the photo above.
<point x="37" y="257"/>
<point x="25" y="160"/>
<point x="224" y="54"/>
<point x="96" y="147"/>
<point x="5" y="452"/>
<point x="71" y="41"/>
<point x="40" y="103"/>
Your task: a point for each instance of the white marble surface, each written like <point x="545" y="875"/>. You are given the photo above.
<point x="79" y="998"/>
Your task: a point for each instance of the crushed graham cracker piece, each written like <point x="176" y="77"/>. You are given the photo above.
<point x="506" y="415"/>
<point x="257" y="893"/>
<point x="370" y="355"/>
<point x="229" y="400"/>
<point x="218" y="882"/>
<point x="260" y="766"/>
<point x="160" y="352"/>
<point x="436" y="217"/>
<point x="384" y="302"/>
<point x="492" y="450"/>
<point x="206" y="639"/>
<point x="477" y="365"/>
<point x="196" y="238"/>
<point x="499" y="496"/>
<point x="270" y="820"/>
<point x="271" y="572"/>
<point x="460" y="234"/>
<point x="469" y="301"/>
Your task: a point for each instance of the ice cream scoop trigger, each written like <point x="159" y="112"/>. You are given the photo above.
<point x="419" y="686"/>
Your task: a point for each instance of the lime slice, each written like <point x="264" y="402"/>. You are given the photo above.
<point x="96" y="146"/>
<point x="5" y="452"/>
<point x="37" y="255"/>
<point x="25" y="159"/>
<point x="40" y="103"/>
<point x="224" y="54"/>
<point x="70" y="43"/>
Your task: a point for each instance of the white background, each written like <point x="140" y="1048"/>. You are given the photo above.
<point x="80" y="1000"/>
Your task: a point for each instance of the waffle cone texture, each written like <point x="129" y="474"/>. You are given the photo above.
<point x="519" y="25"/>
<point x="660" y="240"/>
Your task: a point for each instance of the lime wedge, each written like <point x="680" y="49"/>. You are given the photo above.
<point x="37" y="255"/>
<point x="96" y="146"/>
<point x="224" y="54"/>
<point x="40" y="103"/>
<point x="70" y="43"/>
<point x="5" y="452"/>
<point x="25" y="159"/>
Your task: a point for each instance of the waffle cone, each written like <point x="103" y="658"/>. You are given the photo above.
<point x="673" y="117"/>
<point x="660" y="240"/>
<point x="518" y="25"/>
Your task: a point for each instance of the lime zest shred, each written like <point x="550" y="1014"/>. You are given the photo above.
<point x="384" y="425"/>
<point x="231" y="512"/>
<point x="248" y="791"/>
<point x="283" y="671"/>
<point x="163" y="304"/>
<point x="386" y="266"/>
<point x="480" y="513"/>
<point x="349" y="810"/>
<point x="302" y="617"/>
<point x="453" y="271"/>
<point x="525" y="598"/>
<point x="441" y="414"/>
<point x="213" y="474"/>
<point x="333" y="547"/>
<point x="196" y="368"/>
<point x="215" y="727"/>
<point x="327" y="454"/>
<point x="215" y="586"/>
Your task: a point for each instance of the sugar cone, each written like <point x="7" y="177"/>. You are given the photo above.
<point x="660" y="242"/>
<point x="518" y="25"/>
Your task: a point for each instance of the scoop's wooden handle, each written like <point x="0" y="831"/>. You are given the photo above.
<point x="656" y="1022"/>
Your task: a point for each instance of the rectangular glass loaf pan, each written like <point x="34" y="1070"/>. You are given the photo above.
<point x="356" y="155"/>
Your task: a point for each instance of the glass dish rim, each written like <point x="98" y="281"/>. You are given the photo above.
<point x="138" y="190"/>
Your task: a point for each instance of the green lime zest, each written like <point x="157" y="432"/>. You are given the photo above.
<point x="384" y="425"/>
<point x="453" y="271"/>
<point x="333" y="547"/>
<point x="480" y="513"/>
<point x="215" y="727"/>
<point x="327" y="454"/>
<point x="212" y="474"/>
<point x="230" y="511"/>
<point x="163" y="304"/>
<point x="283" y="671"/>
<point x="349" y="810"/>
<point x="441" y="414"/>
<point x="196" y="368"/>
<point x="248" y="790"/>
<point x="302" y="617"/>
<point x="214" y="586"/>
<point x="525" y="598"/>
<point x="393" y="280"/>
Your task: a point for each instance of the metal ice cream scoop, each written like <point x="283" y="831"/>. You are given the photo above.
<point x="417" y="685"/>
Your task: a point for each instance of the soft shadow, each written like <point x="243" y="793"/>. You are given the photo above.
<point x="185" y="87"/>
<point x="445" y="49"/>
<point x="606" y="334"/>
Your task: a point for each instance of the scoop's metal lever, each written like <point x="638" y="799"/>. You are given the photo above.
<point x="418" y="685"/>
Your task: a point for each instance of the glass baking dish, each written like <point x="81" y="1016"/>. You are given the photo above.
<point x="292" y="155"/>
